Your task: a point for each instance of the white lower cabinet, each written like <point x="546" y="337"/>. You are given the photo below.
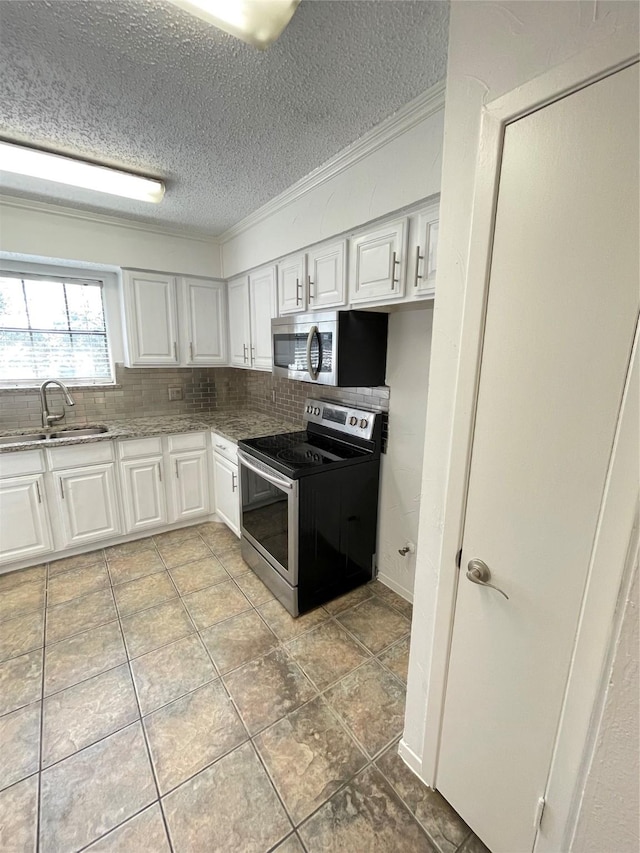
<point x="88" y="503"/>
<point x="24" y="526"/>
<point x="227" y="504"/>
<point x="189" y="485"/>
<point x="143" y="494"/>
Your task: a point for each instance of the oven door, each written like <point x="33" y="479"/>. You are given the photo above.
<point x="306" y="348"/>
<point x="269" y="515"/>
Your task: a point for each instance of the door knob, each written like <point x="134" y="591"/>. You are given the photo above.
<point x="478" y="572"/>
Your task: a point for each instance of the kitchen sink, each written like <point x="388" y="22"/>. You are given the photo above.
<point x="17" y="439"/>
<point x="78" y="432"/>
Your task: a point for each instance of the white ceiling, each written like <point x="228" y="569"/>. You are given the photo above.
<point x="142" y="85"/>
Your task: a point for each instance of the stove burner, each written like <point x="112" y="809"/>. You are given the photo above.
<point x="301" y="456"/>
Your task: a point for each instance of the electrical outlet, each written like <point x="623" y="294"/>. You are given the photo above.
<point x="175" y="392"/>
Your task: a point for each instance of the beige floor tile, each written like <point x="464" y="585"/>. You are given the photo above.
<point x="238" y="640"/>
<point x="248" y="816"/>
<point x="137" y="565"/>
<point x="76" y="582"/>
<point x="172" y="537"/>
<point x="254" y="589"/>
<point x="231" y="559"/>
<point x="284" y="626"/>
<point x="473" y="845"/>
<point x="20" y="739"/>
<point x="371" y="703"/>
<point x="82" y="656"/>
<point x="190" y="733"/>
<point x="289" y="845"/>
<point x="375" y="624"/>
<point x="79" y="561"/>
<point x="87" y="712"/>
<point x="326" y="654"/>
<point x="183" y="552"/>
<point x="444" y="826"/>
<point x="144" y="833"/>
<point x="158" y="626"/>
<point x="215" y="603"/>
<point x="19" y="810"/>
<point x="10" y="580"/>
<point x="198" y="575"/>
<point x="268" y="688"/>
<point x="309" y="756"/>
<point x="356" y="596"/>
<point x="170" y="672"/>
<point x="80" y="614"/>
<point x="218" y="536"/>
<point x="393" y="599"/>
<point x="365" y="815"/>
<point x="95" y="790"/>
<point x="25" y="598"/>
<point x="21" y="635"/>
<point x="397" y="659"/>
<point x="144" y="593"/>
<point x="20" y="681"/>
<point x="126" y="549"/>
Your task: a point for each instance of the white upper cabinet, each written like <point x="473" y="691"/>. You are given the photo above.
<point x="423" y="252"/>
<point x="151" y="319"/>
<point x="377" y="263"/>
<point x="327" y="275"/>
<point x="239" y="322"/>
<point x="203" y="331"/>
<point x="263" y="306"/>
<point x="292" y="293"/>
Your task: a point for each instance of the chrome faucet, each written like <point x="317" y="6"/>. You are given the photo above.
<point x="47" y="417"/>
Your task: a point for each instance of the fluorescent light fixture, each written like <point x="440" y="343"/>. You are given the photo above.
<point x="77" y="173"/>
<point x="257" y="22"/>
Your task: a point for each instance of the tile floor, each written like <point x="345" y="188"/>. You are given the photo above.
<point x="154" y="696"/>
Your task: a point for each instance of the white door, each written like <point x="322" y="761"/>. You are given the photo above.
<point x="327" y="275"/>
<point x="239" y="328"/>
<point x="561" y="312"/>
<point x="189" y="484"/>
<point x="204" y="339"/>
<point x="151" y="318"/>
<point x="143" y="493"/>
<point x="227" y="498"/>
<point x="262" y="292"/>
<point x="377" y="262"/>
<point x="24" y="530"/>
<point x="88" y="503"/>
<point x="292" y="293"/>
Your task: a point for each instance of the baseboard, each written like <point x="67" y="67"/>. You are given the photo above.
<point x="413" y="761"/>
<point x="395" y="586"/>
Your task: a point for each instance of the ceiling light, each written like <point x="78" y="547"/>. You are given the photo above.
<point x="77" y="173"/>
<point x="258" y="22"/>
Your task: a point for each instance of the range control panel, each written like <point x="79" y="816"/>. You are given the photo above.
<point x="345" y="419"/>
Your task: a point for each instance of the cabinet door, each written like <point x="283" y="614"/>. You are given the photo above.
<point x="327" y="275"/>
<point x="189" y="484"/>
<point x="227" y="498"/>
<point x="24" y="527"/>
<point x="262" y="291"/>
<point x="143" y="493"/>
<point x="151" y="318"/>
<point x="88" y="504"/>
<point x="423" y="253"/>
<point x="204" y="326"/>
<point x="377" y="263"/>
<point x="239" y="327"/>
<point x="292" y="291"/>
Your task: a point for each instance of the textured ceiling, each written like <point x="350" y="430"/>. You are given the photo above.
<point x="142" y="85"/>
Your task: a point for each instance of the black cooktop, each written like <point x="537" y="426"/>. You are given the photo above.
<point x="301" y="453"/>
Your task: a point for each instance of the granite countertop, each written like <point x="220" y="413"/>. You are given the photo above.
<point x="242" y="423"/>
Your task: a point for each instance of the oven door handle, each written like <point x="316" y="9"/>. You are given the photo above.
<point x="271" y="478"/>
<point x="310" y="369"/>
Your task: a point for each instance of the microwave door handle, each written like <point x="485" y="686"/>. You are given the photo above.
<point x="310" y="369"/>
<point x="284" y="484"/>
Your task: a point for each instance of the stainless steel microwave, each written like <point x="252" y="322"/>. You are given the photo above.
<point x="343" y="348"/>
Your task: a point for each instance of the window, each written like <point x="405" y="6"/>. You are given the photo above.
<point x="52" y="328"/>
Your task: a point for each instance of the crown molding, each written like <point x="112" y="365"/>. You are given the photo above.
<point x="404" y="119"/>
<point x="103" y="219"/>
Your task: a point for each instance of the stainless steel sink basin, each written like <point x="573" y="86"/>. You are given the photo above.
<point x="78" y="432"/>
<point x="18" y="439"/>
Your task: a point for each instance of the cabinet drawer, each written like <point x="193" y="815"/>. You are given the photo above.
<point x="21" y="462"/>
<point x="188" y="441"/>
<point x="138" y="447"/>
<point x="80" y="454"/>
<point x="225" y="447"/>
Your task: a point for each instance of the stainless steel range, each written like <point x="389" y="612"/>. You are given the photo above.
<point x="309" y="504"/>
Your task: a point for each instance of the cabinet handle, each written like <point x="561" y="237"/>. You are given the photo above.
<point x="310" y="285"/>
<point x="220" y="446"/>
<point x="245" y="349"/>
<point x="298" y="292"/>
<point x="175" y="350"/>
<point x="419" y="258"/>
<point x="234" y="483"/>
<point x="177" y="470"/>
<point x="160" y="472"/>
<point x="38" y="492"/>
<point x="394" y="263"/>
<point x="253" y="354"/>
<point x="61" y="490"/>
<point x="191" y="350"/>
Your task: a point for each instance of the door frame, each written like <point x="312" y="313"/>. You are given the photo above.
<point x="597" y="614"/>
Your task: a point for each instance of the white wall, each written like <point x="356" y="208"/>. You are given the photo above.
<point x="408" y="354"/>
<point x="50" y="231"/>
<point x="493" y="48"/>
